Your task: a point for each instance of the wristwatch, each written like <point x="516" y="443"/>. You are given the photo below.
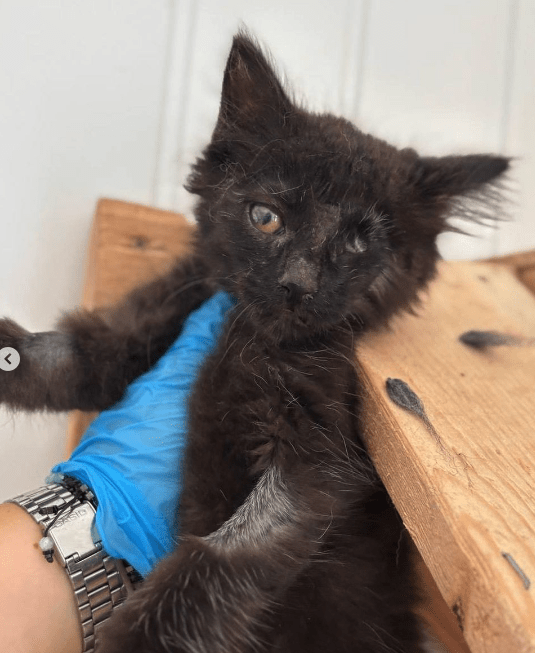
<point x="66" y="512"/>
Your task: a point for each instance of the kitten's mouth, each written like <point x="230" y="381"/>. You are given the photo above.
<point x="286" y="322"/>
<point x="293" y="323"/>
<point x="295" y="312"/>
<point x="296" y="319"/>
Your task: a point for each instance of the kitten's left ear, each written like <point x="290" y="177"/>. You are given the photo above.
<point x="252" y="94"/>
<point x="459" y="175"/>
<point x="446" y="182"/>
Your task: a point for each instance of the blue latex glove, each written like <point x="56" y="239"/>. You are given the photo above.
<point x="131" y="454"/>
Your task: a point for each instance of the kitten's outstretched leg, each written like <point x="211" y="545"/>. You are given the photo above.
<point x="214" y="594"/>
<point x="88" y="362"/>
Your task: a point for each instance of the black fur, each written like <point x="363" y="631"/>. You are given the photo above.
<point x="289" y="542"/>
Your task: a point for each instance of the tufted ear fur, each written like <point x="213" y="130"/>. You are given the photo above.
<point x="468" y="186"/>
<point x="252" y="96"/>
<point x="459" y="175"/>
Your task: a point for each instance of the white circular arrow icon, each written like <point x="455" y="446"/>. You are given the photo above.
<point x="9" y="359"/>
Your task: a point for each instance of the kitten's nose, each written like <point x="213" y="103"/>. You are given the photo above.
<point x="300" y="279"/>
<point x="295" y="293"/>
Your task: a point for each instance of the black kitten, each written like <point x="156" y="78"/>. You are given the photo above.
<point x="289" y="542"/>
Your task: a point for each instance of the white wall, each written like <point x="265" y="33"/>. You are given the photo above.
<point x="81" y="87"/>
<point x="115" y="98"/>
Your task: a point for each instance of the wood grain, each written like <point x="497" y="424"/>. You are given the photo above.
<point x="131" y="244"/>
<point x="442" y="625"/>
<point x="522" y="265"/>
<point x="467" y="505"/>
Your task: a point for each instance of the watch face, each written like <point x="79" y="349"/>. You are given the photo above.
<point x="72" y="532"/>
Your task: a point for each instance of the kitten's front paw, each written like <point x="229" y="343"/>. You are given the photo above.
<point x="127" y="631"/>
<point x="12" y="336"/>
<point x="43" y="377"/>
<point x="192" y="601"/>
<point x="120" y="634"/>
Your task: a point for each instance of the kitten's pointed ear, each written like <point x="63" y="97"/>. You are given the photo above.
<point x="252" y="94"/>
<point x="464" y="186"/>
<point x="459" y="175"/>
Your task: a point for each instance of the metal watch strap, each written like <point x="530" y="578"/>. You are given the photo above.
<point x="100" y="582"/>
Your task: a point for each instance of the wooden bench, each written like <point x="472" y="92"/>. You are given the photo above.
<point x="464" y="479"/>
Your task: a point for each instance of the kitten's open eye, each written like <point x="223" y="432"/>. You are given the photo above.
<point x="264" y="219"/>
<point x="356" y="246"/>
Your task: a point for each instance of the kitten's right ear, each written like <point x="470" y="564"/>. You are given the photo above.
<point x="252" y="94"/>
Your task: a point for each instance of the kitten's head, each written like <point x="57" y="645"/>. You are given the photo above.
<point x="311" y="223"/>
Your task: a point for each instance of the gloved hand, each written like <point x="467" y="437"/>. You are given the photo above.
<point x="131" y="454"/>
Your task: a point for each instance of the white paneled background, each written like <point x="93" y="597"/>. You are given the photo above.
<point x="115" y="98"/>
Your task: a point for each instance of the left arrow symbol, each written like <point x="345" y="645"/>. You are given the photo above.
<point x="9" y="359"/>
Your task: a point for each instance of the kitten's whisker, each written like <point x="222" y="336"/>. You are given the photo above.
<point x="229" y="343"/>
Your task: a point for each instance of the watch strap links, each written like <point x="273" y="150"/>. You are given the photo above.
<point x="65" y="511"/>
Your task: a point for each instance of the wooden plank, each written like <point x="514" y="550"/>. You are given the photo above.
<point x="522" y="265"/>
<point x="130" y="244"/>
<point x="473" y="500"/>
<point x="435" y="613"/>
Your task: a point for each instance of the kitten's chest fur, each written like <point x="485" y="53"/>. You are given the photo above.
<point x="258" y="404"/>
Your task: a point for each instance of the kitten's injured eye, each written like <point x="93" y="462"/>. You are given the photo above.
<point x="264" y="219"/>
<point x="356" y="246"/>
